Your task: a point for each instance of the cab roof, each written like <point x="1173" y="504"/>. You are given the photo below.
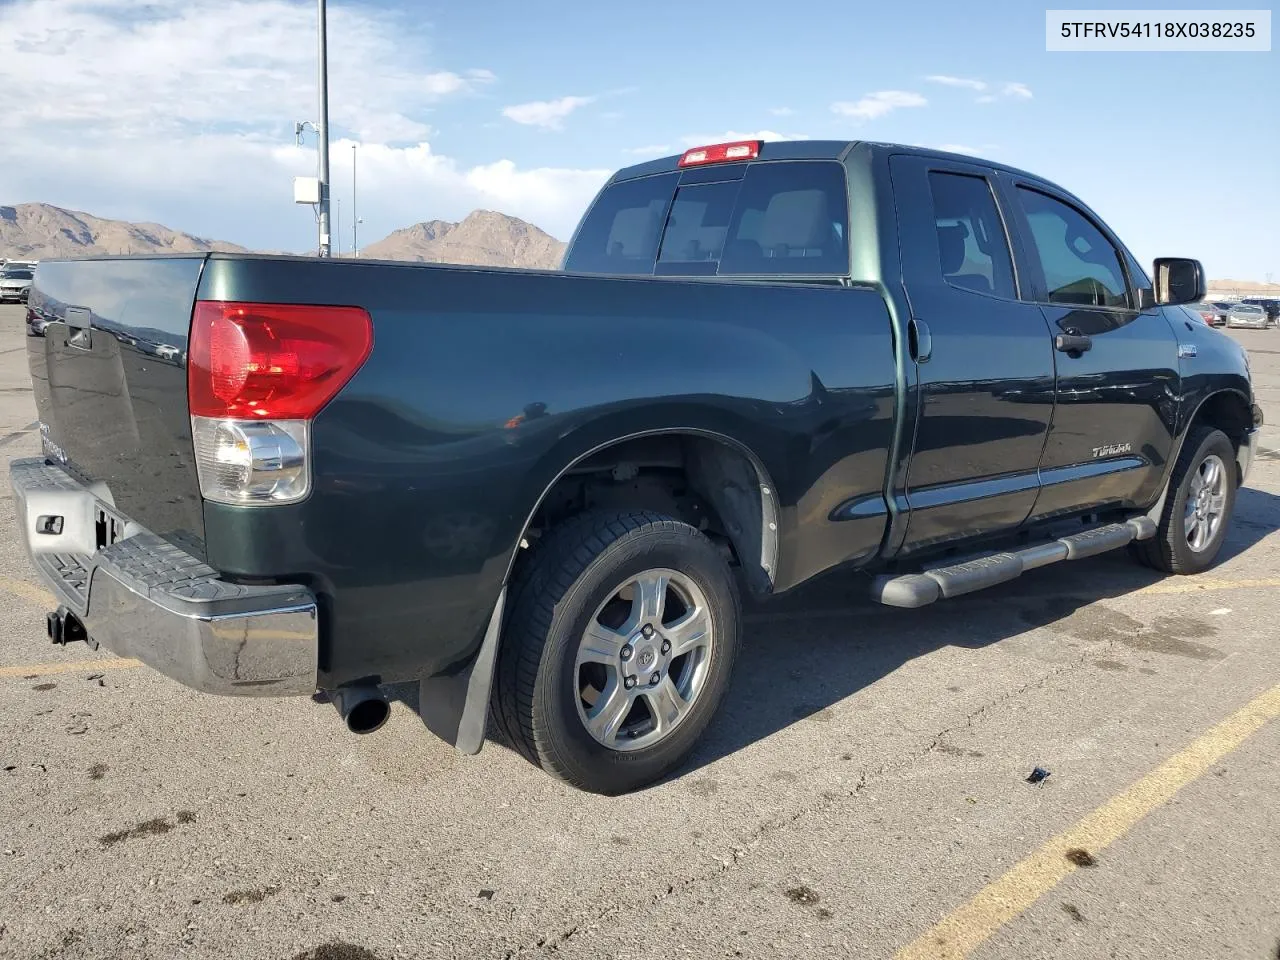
<point x="816" y="150"/>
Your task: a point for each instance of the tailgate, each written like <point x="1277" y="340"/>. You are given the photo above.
<point x="107" y="347"/>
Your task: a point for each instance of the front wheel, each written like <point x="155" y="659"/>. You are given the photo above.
<point x="1197" y="510"/>
<point x="621" y="639"/>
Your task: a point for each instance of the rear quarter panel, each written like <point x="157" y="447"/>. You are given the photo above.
<point x="484" y="385"/>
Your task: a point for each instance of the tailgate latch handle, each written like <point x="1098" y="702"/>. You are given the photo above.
<point x="78" y="323"/>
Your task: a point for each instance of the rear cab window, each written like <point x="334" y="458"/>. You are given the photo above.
<point x="775" y="218"/>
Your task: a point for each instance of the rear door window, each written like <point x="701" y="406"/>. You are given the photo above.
<point x="785" y="218"/>
<point x="972" y="247"/>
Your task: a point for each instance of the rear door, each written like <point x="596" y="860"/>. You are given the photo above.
<point x="1117" y="394"/>
<point x="984" y="364"/>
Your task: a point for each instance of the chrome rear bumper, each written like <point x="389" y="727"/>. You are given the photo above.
<point x="146" y="598"/>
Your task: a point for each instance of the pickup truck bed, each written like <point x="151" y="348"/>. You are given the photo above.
<point x="279" y="475"/>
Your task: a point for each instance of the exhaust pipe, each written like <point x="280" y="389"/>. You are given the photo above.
<point x="363" y="709"/>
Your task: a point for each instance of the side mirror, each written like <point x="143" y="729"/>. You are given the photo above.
<point x="1179" y="280"/>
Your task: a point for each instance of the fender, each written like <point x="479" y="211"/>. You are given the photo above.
<point x="1158" y="507"/>
<point x="454" y="705"/>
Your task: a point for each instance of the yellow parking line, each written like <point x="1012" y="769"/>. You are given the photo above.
<point x="1199" y="584"/>
<point x="965" y="929"/>
<point x="67" y="666"/>
<point x="28" y="592"/>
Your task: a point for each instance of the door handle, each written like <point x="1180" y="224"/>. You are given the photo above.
<point x="919" y="340"/>
<point x="1072" y="344"/>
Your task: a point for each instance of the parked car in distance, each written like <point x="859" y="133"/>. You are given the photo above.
<point x="1220" y="310"/>
<point x="540" y="493"/>
<point x="1272" y="306"/>
<point x="1206" y="312"/>
<point x="1247" y="315"/>
<point x="15" y="281"/>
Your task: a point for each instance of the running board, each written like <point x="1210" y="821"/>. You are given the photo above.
<point x="920" y="589"/>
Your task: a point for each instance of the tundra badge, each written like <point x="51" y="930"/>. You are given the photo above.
<point x="1111" y="450"/>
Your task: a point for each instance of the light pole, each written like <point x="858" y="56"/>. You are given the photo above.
<point x="322" y="128"/>
<point x="337" y="227"/>
<point x="355" y="216"/>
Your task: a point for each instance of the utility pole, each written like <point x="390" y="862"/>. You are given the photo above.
<point x="355" y="216"/>
<point x="323" y="130"/>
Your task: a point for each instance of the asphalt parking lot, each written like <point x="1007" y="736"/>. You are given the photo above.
<point x="863" y="794"/>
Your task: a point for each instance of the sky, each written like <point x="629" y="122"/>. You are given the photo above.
<point x="182" y="111"/>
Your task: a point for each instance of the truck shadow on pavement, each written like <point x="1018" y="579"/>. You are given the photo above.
<point x="807" y="651"/>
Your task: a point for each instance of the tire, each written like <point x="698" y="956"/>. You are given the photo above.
<point x="1170" y="550"/>
<point x="577" y="577"/>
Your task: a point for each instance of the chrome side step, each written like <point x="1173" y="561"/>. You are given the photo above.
<point x="920" y="589"/>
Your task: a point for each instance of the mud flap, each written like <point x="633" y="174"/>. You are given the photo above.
<point x="455" y="705"/>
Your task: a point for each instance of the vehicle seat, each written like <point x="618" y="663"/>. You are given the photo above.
<point x="952" y="253"/>
<point x="796" y="224"/>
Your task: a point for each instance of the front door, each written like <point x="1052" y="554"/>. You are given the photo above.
<point x="1116" y="355"/>
<point x="984" y="360"/>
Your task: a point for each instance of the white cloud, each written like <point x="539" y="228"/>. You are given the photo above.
<point x="781" y="111"/>
<point x="878" y="104"/>
<point x="978" y="85"/>
<point x="990" y="94"/>
<point x="548" y="114"/>
<point x="652" y="150"/>
<point x="182" y="111"/>
<point x="730" y="136"/>
<point x="117" y="68"/>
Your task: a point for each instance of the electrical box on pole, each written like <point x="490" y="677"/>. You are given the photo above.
<point x="306" y="190"/>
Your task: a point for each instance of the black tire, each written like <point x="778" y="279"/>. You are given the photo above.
<point x="1169" y="551"/>
<point x="555" y="595"/>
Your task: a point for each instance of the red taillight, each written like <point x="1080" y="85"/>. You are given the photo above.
<point x="270" y="360"/>
<point x="721" y="153"/>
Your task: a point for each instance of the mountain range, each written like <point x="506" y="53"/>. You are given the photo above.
<point x="484" y="238"/>
<point x="34" y="231"/>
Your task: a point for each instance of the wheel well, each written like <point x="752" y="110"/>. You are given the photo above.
<point x="708" y="483"/>
<point x="1228" y="412"/>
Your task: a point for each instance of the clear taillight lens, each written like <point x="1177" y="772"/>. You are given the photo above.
<point x="248" y="462"/>
<point x="257" y="375"/>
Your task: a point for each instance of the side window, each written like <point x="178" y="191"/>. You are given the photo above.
<point x="791" y="218"/>
<point x="1080" y="265"/>
<point x="972" y="245"/>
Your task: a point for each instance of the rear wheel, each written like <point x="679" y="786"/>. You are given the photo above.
<point x="623" y="632"/>
<point x="1197" y="511"/>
